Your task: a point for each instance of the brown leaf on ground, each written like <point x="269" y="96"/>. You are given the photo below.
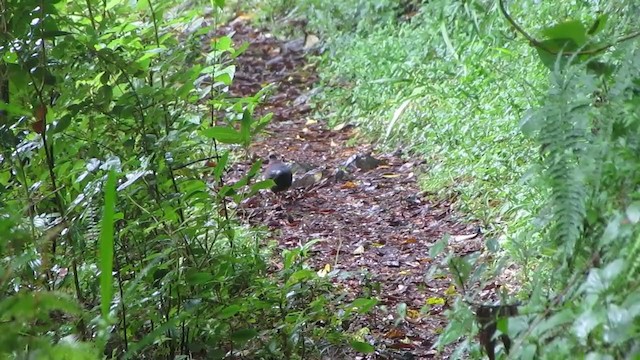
<point x="368" y="210"/>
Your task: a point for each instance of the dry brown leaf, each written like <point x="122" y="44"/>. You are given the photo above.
<point x="395" y="334"/>
<point x="410" y="240"/>
<point x="349" y="185"/>
<point x="359" y="250"/>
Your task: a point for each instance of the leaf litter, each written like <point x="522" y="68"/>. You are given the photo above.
<point x="375" y="225"/>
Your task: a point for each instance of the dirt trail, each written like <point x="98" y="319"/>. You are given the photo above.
<point x="372" y="222"/>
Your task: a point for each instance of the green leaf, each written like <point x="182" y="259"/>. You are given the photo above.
<point x="54" y="33"/>
<point x="300" y="275"/>
<point x="599" y="24"/>
<point x="362" y="347"/>
<point x="401" y="310"/>
<point x="221" y="165"/>
<point x="530" y="123"/>
<point x="230" y="311"/>
<point x="569" y="30"/>
<point x="62" y="124"/>
<point x="556" y="46"/>
<point x="439" y="246"/>
<point x="219" y="3"/>
<point x="262" y="185"/>
<point x="22" y="305"/>
<point x="106" y="244"/>
<point x="14" y="109"/>
<point x="223" y="134"/>
<point x="362" y="305"/>
<point x="222" y="43"/>
<point x="245" y="127"/>
<point x="586" y="322"/>
<point x="198" y="278"/>
<point x="633" y="212"/>
<point x="244" y="335"/>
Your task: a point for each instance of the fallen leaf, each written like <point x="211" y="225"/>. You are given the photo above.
<point x="311" y="122"/>
<point x="401" y="345"/>
<point x="391" y="175"/>
<point x="340" y="126"/>
<point x="359" y="250"/>
<point x="464" y="237"/>
<point x="413" y="314"/>
<point x="349" y="185"/>
<point x="451" y="290"/>
<point x="410" y="240"/>
<point x="324" y="271"/>
<point x="435" y="301"/>
<point x="395" y="334"/>
<point x="311" y="41"/>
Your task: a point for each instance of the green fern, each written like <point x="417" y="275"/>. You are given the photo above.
<point x="565" y="141"/>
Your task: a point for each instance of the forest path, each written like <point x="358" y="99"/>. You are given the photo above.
<point x="375" y="226"/>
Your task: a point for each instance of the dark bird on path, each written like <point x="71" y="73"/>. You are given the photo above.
<point x="279" y="172"/>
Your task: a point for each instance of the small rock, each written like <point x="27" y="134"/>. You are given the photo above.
<point x="363" y="162"/>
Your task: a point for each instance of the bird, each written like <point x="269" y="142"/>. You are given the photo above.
<point x="279" y="172"/>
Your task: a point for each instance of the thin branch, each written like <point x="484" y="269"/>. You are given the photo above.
<point x="541" y="45"/>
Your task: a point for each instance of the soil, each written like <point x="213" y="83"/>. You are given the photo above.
<point x="375" y="225"/>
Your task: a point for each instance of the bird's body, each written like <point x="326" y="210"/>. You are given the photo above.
<point x="279" y="172"/>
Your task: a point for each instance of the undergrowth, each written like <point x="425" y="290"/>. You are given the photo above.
<point x="530" y="131"/>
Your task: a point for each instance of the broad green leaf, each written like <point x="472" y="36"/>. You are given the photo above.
<point x="198" y="278"/>
<point x="362" y="305"/>
<point x="221" y="44"/>
<point x="22" y="305"/>
<point x="437" y="248"/>
<point x="557" y="47"/>
<point x="223" y="134"/>
<point x="262" y="185"/>
<point x="586" y="322"/>
<point x="244" y="335"/>
<point x="300" y="275"/>
<point x="612" y="270"/>
<point x="362" y="347"/>
<point x="221" y="165"/>
<point x="571" y="30"/>
<point x="106" y="244"/>
<point x="13" y="109"/>
<point x="230" y="311"/>
<point x="62" y="124"/>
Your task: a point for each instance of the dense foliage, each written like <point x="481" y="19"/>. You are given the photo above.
<point x="532" y="130"/>
<point x="117" y="218"/>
